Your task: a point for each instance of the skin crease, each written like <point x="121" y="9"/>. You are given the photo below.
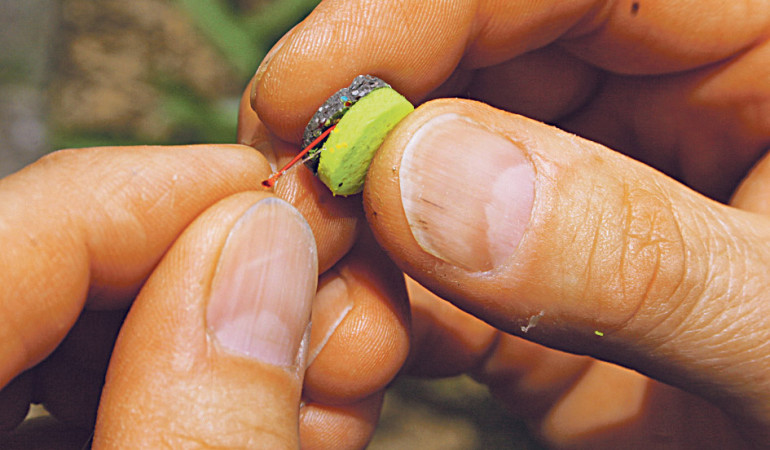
<point x="697" y="119"/>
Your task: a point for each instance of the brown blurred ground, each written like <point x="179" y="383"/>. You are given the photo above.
<point x="113" y="59"/>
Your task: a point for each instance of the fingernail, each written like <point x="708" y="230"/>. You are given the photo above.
<point x="263" y="289"/>
<point x="467" y="192"/>
<point x="331" y="305"/>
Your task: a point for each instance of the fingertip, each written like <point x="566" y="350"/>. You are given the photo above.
<point x="369" y="345"/>
<point x="414" y="55"/>
<point x="342" y="426"/>
<point x="610" y="258"/>
<point x="440" y="219"/>
<point x="446" y="341"/>
<point x="209" y="333"/>
<point x="529" y="378"/>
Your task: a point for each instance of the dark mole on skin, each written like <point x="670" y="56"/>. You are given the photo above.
<point x="634" y="8"/>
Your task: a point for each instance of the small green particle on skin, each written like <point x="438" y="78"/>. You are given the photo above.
<point x="347" y="154"/>
<point x="598" y="333"/>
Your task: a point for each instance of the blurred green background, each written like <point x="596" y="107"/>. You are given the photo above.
<point x="77" y="73"/>
<point x="81" y="73"/>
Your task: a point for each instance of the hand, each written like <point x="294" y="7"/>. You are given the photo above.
<point x="215" y="346"/>
<point x="519" y="223"/>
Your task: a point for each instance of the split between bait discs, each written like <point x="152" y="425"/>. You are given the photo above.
<point x="343" y="135"/>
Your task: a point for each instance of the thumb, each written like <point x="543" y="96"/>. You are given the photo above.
<point x="514" y="220"/>
<point x="212" y="351"/>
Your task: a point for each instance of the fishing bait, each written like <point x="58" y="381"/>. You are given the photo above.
<point x="342" y="136"/>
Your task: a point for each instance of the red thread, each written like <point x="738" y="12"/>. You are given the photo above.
<point x="270" y="182"/>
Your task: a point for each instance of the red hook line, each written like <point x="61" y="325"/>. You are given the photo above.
<point x="270" y="182"/>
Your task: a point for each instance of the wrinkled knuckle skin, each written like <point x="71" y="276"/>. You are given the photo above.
<point x="645" y="278"/>
<point x="654" y="261"/>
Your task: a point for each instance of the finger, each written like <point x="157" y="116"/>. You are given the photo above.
<point x="212" y="352"/>
<point x="92" y="224"/>
<point x="658" y="37"/>
<point x="572" y="401"/>
<point x="342" y="426"/>
<point x="417" y="45"/>
<point x="569" y="401"/>
<point x="334" y="220"/>
<point x="542" y="223"/>
<point x="358" y="343"/>
<point x="358" y="308"/>
<point x="612" y="407"/>
<point x="360" y="334"/>
<point x="548" y="84"/>
<point x="445" y="340"/>
<point x="710" y="135"/>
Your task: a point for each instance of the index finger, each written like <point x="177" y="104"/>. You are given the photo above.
<point x="91" y="225"/>
<point x="417" y="45"/>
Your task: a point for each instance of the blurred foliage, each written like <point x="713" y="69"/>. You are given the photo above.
<point x="243" y="33"/>
<point x="242" y="36"/>
<point x="179" y="109"/>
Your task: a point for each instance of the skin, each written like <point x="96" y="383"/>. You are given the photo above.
<point x="652" y="82"/>
<point x="181" y="213"/>
<point x="60" y="217"/>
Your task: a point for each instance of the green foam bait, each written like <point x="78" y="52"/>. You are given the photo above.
<point x="341" y="139"/>
<point x="345" y="156"/>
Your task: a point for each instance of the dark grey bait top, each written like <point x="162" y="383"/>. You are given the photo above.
<point x="332" y="111"/>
